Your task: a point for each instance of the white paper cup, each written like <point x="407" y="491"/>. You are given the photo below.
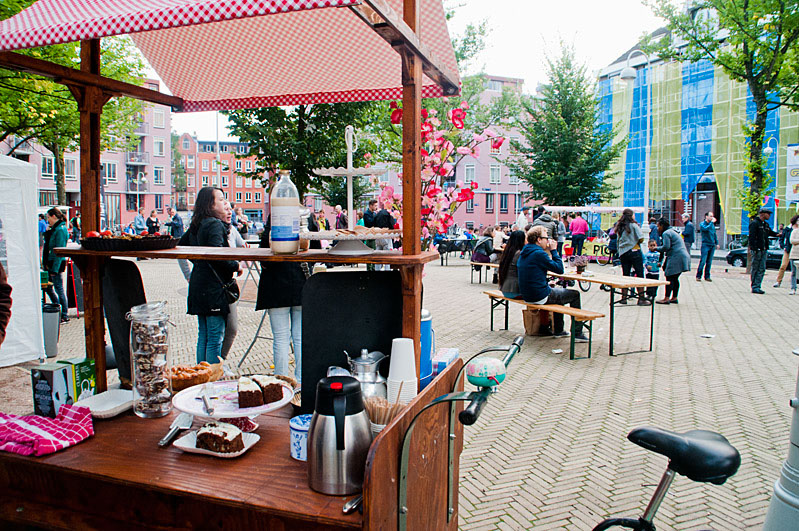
<point x="408" y="391"/>
<point x="403" y="360"/>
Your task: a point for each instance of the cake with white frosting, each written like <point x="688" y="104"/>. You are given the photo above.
<point x="250" y="394"/>
<point x="271" y="387"/>
<point x="220" y="437"/>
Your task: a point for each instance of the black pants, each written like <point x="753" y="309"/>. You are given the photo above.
<point x="577" y="242"/>
<point x="652" y="291"/>
<point x="674" y="285"/>
<point x="633" y="261"/>
<point x="564" y="296"/>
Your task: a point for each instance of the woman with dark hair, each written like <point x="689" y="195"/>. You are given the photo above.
<point x="508" y="276"/>
<point x="56" y="236"/>
<point x="677" y="260"/>
<point x="210" y="226"/>
<point x="628" y="243"/>
<point x="484" y="249"/>
<point x="153" y="225"/>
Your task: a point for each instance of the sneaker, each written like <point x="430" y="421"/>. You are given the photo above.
<point x="580" y="338"/>
<point x="64" y="319"/>
<point x="758" y="291"/>
<point x="792" y="292"/>
<point x="644" y="302"/>
<point x="776" y="285"/>
<point x="562" y="333"/>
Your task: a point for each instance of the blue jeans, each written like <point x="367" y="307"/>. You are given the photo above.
<point x="577" y="242"/>
<point x="210" y="337"/>
<point x="705" y="260"/>
<point x="286" y="326"/>
<point x="56" y="292"/>
<point x="794" y="265"/>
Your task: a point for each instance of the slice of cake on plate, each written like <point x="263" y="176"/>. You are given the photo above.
<point x="271" y="387"/>
<point x="250" y="394"/>
<point x="220" y="437"/>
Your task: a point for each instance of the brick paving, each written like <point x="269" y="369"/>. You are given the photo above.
<point x="550" y="450"/>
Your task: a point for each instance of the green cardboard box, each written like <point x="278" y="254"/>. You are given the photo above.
<point x="82" y="377"/>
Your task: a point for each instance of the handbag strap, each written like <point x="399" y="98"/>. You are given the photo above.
<point x="215" y="274"/>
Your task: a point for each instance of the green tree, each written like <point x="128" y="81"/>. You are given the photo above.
<point x="563" y="155"/>
<point x="35" y="108"/>
<point x="334" y="192"/>
<point x="753" y="41"/>
<point x="299" y="139"/>
<point x="178" y="170"/>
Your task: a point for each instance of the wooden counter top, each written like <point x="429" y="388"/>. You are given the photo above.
<point x="255" y="254"/>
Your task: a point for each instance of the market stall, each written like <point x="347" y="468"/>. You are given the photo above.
<point x="304" y="53"/>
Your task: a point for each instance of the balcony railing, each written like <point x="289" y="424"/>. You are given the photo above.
<point x="137" y="186"/>
<point x="137" y="157"/>
<point x="143" y="129"/>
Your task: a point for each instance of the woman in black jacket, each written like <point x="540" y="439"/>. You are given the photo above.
<point x="209" y="227"/>
<point x="280" y="293"/>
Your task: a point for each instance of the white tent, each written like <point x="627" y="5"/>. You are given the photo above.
<point x="19" y="254"/>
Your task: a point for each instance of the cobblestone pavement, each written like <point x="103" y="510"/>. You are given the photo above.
<point x="550" y="450"/>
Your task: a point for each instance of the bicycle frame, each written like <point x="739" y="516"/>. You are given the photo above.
<point x="644" y="523"/>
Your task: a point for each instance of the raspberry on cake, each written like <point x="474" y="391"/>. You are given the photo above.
<point x="271" y="387"/>
<point x="220" y="437"/>
<point x="250" y="394"/>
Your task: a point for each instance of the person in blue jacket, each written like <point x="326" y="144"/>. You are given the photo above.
<point x="539" y="256"/>
<point x="709" y="243"/>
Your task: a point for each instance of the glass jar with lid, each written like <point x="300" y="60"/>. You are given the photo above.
<point x="149" y="348"/>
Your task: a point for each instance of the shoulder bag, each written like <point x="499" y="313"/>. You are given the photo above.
<point x="231" y="288"/>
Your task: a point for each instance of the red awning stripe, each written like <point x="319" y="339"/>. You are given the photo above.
<point x="58" y="21"/>
<point x="428" y="91"/>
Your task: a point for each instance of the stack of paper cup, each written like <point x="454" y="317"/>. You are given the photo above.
<point x="402" y="378"/>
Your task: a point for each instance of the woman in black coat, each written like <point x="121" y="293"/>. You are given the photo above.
<point x="280" y="293"/>
<point x="209" y="227"/>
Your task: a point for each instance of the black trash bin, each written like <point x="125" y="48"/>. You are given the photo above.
<point x="51" y="325"/>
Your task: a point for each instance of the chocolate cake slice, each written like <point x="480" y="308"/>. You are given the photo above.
<point x="271" y="387"/>
<point x="220" y="437"/>
<point x="250" y="394"/>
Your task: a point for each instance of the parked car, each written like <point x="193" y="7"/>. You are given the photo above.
<point x="737" y="257"/>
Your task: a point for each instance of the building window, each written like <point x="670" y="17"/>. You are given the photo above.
<point x="384" y="178"/>
<point x="215" y="180"/>
<point x="242" y="149"/>
<point x="257" y="197"/>
<point x="470" y="206"/>
<point x="158" y="175"/>
<point x="108" y="172"/>
<point x="495" y="174"/>
<point x="189" y="181"/>
<point x="205" y="164"/>
<point x="214" y="165"/>
<point x="186" y="143"/>
<point x="468" y="177"/>
<point x="238" y="197"/>
<point x="489" y="202"/>
<point x="131" y="202"/>
<point x="503" y="203"/>
<point x="494" y="84"/>
<point x="519" y="204"/>
<point x="158" y="119"/>
<point x="71" y="169"/>
<point x="48" y="164"/>
<point x="317" y="204"/>
<point x="223" y="149"/>
<point x="248" y="197"/>
<point x="190" y="198"/>
<point x="159" y="146"/>
<point x="248" y="182"/>
<point x="512" y="177"/>
<point x="208" y="148"/>
<point x="190" y="161"/>
<point x="238" y="165"/>
<point x="247" y="165"/>
<point x="225" y="194"/>
<point x="239" y="181"/>
<point x="205" y="180"/>
<point x="225" y="180"/>
<point x="159" y="203"/>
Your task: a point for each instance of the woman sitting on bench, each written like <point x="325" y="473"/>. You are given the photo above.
<point x="508" y="277"/>
<point x="538" y="257"/>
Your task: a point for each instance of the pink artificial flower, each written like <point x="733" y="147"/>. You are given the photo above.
<point x="432" y="112"/>
<point x="392" y="105"/>
<point x="476" y="152"/>
<point x="464" y="105"/>
<point x="435" y="121"/>
<point x="463" y="150"/>
<point x="457" y="123"/>
<point x="424" y="114"/>
<point x="474" y="185"/>
<point x="396" y="116"/>
<point x="497" y="142"/>
<point x="448" y="146"/>
<point x="479" y="138"/>
<point x="490" y="132"/>
<point x="466" y="194"/>
<point x="367" y="156"/>
<point x="425" y="153"/>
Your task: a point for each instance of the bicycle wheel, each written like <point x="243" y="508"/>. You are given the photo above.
<point x="584" y="285"/>
<point x="605" y="258"/>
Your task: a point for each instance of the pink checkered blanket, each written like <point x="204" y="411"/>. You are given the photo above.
<point x="35" y="435"/>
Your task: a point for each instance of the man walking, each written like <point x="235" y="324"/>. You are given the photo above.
<point x="785" y="243"/>
<point x="710" y="241"/>
<point x="688" y="233"/>
<point x="759" y="233"/>
<point x="76" y="227"/>
<point x="578" y="228"/>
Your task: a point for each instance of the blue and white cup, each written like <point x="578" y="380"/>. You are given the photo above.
<point x="299" y="436"/>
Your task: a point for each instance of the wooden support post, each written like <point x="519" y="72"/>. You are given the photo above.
<point x="90" y="103"/>
<point x="411" y="182"/>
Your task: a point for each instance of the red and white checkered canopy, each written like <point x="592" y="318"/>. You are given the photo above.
<point x="233" y="54"/>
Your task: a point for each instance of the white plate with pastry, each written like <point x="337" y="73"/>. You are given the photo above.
<point x="244" y="441"/>
<point x="224" y="398"/>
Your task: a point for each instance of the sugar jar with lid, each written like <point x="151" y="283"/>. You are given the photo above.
<point x="149" y="347"/>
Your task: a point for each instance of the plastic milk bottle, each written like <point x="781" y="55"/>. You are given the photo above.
<point x="285" y="209"/>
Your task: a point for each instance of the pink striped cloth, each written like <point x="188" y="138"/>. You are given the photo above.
<point x="35" y="435"/>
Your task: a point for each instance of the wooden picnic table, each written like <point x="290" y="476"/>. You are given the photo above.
<point x="614" y="283"/>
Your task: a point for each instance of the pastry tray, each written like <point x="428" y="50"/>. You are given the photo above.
<point x="393" y="234"/>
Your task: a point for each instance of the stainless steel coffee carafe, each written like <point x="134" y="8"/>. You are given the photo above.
<point x="339" y="437"/>
<point x="364" y="369"/>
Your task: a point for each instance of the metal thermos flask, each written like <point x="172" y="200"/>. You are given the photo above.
<point x="339" y="437"/>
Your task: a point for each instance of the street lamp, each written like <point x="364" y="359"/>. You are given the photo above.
<point x="629" y="74"/>
<point x="768" y="150"/>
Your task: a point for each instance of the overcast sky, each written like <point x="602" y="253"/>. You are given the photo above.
<point x="522" y="33"/>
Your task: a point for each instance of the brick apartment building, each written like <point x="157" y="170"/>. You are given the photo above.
<point x="131" y="179"/>
<point x="199" y="158"/>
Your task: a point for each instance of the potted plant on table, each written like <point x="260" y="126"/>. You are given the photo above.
<point x="580" y="262"/>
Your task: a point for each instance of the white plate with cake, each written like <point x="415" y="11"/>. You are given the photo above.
<point x="247" y="397"/>
<point x="218" y="439"/>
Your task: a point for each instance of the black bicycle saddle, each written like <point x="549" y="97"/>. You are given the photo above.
<point x="700" y="455"/>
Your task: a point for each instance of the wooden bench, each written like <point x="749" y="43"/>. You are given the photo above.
<point x="477" y="265"/>
<point x="577" y="314"/>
